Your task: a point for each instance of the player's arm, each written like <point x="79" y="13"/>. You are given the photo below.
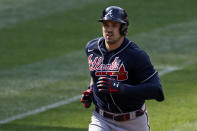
<point x="87" y="95"/>
<point x="151" y="89"/>
<point x="149" y="86"/>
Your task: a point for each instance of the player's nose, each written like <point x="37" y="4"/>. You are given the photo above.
<point x="109" y="29"/>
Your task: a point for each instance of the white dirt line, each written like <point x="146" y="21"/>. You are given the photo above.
<point x="60" y="103"/>
<point x="168" y="70"/>
<point x="42" y="109"/>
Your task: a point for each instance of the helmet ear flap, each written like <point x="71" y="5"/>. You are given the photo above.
<point x="123" y="29"/>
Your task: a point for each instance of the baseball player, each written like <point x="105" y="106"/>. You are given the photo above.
<point x="122" y="78"/>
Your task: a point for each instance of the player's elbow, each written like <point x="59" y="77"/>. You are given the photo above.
<point x="160" y="94"/>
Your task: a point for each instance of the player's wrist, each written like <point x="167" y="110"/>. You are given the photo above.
<point x="108" y="85"/>
<point x="87" y="97"/>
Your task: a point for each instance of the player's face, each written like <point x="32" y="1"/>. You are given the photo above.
<point x="111" y="31"/>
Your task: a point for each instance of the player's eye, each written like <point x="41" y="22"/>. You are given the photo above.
<point x="105" y="25"/>
<point x="115" y="25"/>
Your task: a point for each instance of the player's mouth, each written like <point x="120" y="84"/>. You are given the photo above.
<point x="109" y="35"/>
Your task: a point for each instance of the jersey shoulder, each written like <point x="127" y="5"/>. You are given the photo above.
<point x="135" y="50"/>
<point x="142" y="65"/>
<point x="93" y="44"/>
<point x="136" y="53"/>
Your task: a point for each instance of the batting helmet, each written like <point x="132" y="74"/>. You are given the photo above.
<point x="115" y="13"/>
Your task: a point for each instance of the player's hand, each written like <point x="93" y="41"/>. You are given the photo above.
<point x="108" y="85"/>
<point x="86" y="98"/>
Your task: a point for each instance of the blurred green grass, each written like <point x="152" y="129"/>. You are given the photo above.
<point x="179" y="106"/>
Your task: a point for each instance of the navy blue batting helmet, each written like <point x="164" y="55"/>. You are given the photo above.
<point x="118" y="14"/>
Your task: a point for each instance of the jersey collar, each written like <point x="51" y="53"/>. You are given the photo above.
<point x="103" y="49"/>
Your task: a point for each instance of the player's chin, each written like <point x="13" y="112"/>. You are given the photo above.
<point x="110" y="41"/>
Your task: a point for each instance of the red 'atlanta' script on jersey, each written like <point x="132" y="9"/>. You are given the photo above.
<point x="113" y="69"/>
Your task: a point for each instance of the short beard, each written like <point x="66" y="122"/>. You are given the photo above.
<point x="111" y="42"/>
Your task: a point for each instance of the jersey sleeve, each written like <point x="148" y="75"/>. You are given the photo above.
<point x="86" y="48"/>
<point x="149" y="86"/>
<point x="151" y="89"/>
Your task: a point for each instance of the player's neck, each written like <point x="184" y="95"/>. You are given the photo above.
<point x="113" y="46"/>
